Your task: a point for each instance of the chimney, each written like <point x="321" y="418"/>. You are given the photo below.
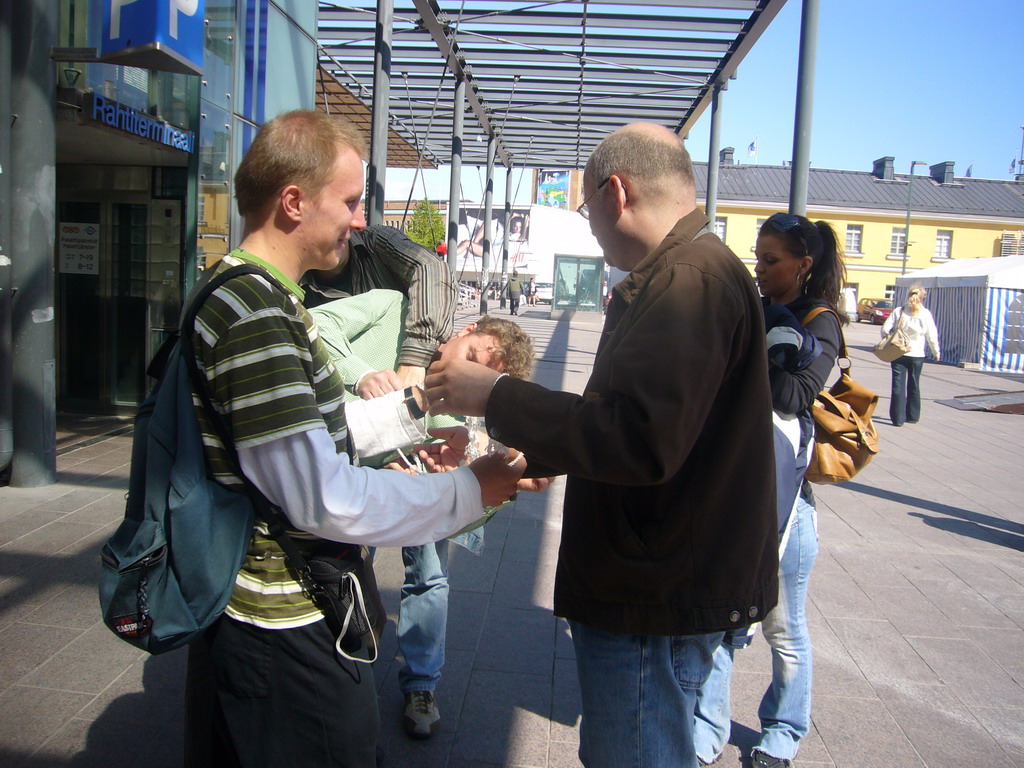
<point x="883" y="168"/>
<point x="725" y="156"/>
<point x="942" y="172"/>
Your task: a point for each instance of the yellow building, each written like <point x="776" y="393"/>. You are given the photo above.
<point x="951" y="217"/>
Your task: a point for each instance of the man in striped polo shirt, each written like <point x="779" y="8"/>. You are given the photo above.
<point x="283" y="696"/>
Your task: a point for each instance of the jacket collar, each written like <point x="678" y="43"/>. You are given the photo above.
<point x="686" y="230"/>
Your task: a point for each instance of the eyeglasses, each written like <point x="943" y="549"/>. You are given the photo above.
<point x="784" y="222"/>
<point x="584" y="209"/>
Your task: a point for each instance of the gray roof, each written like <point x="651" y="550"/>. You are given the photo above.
<point x="861" y="189"/>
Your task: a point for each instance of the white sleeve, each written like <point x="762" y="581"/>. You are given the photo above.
<point x="932" y="334"/>
<point x="892" y="318"/>
<point x="382" y="424"/>
<point x="320" y="491"/>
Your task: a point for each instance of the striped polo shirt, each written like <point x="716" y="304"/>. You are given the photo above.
<point x="270" y="377"/>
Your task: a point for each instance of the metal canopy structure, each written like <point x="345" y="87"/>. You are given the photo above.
<point x="548" y="80"/>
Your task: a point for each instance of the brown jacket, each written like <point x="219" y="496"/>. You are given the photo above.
<point x="669" y="525"/>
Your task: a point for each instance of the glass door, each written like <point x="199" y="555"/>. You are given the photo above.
<point x="128" y="323"/>
<point x="119" y="294"/>
<point x="81" y="335"/>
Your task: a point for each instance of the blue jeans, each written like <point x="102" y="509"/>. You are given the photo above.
<point x="638" y="694"/>
<point x="423" y="616"/>
<point x="905" y="399"/>
<point x="785" y="710"/>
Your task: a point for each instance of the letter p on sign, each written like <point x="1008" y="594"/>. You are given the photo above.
<point x="115" y="16"/>
<point x="188" y="7"/>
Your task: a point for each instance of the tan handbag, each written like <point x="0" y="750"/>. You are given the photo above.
<point x="845" y="439"/>
<point x="895" y="345"/>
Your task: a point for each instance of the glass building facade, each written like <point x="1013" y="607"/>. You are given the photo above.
<point x="140" y="213"/>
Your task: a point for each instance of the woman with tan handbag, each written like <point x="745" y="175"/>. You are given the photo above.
<point x="917" y="323"/>
<point x="799" y="266"/>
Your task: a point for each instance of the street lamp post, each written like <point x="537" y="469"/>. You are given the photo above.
<point x="906" y="232"/>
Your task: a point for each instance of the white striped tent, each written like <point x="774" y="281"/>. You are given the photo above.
<point x="978" y="305"/>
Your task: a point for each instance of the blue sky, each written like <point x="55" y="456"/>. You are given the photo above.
<point x="928" y="80"/>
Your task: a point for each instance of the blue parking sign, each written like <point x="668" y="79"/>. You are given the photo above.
<point x="154" y="34"/>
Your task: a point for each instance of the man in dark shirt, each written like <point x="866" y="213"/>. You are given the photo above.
<point x="669" y="529"/>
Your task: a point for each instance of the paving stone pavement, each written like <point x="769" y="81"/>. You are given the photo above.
<point x="916" y="607"/>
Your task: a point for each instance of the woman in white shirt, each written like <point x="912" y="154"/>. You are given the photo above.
<point x="919" y="326"/>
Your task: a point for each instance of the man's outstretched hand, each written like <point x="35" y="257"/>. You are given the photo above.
<point x="498" y="479"/>
<point x="447" y="455"/>
<point x="460" y="387"/>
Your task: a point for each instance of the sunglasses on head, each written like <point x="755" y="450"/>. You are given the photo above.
<point x="784" y="222"/>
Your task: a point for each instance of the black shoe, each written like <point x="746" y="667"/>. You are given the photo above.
<point x="759" y="759"/>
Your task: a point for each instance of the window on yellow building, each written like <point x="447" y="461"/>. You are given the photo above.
<point x="854" y="238"/>
<point x="720" y="227"/>
<point x="944" y="244"/>
<point x="898" y="243"/>
<point x="757" y="231"/>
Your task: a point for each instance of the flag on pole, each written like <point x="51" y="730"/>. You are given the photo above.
<point x="1013" y="164"/>
<point x="969" y="169"/>
<point x="752" y="149"/>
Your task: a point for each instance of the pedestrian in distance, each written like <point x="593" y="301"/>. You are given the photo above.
<point x="914" y="319"/>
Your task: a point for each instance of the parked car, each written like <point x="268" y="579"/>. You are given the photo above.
<point x="874" y="311"/>
<point x="544" y="292"/>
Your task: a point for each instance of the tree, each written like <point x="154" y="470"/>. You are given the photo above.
<point x="427" y="225"/>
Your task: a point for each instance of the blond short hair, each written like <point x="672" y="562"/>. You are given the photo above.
<point x="515" y="347"/>
<point x="298" y="147"/>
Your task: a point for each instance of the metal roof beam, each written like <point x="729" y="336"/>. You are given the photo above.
<point x="752" y="30"/>
<point x="541" y="74"/>
<point x="471" y="18"/>
<point x="429" y="12"/>
<point x="484" y="55"/>
<point x="571" y="40"/>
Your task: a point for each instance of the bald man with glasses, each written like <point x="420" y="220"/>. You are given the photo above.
<point x="669" y="527"/>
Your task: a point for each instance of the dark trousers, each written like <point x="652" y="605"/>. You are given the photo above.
<point x="905" y="400"/>
<point x="260" y="698"/>
<point x="513" y="303"/>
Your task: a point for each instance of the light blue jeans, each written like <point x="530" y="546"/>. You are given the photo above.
<point x="638" y="694"/>
<point x="785" y="710"/>
<point x="423" y="616"/>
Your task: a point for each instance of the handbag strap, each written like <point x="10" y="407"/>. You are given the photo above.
<point x="843" y="355"/>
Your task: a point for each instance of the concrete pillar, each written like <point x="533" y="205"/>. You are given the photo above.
<point x="804" y="108"/>
<point x="33" y="227"/>
<point x="711" y="203"/>
<point x="485" y="267"/>
<point x="455" y="185"/>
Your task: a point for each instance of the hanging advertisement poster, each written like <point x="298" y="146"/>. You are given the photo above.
<point x="471" y="241"/>
<point x="553" y="189"/>
<point x="78" y="248"/>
